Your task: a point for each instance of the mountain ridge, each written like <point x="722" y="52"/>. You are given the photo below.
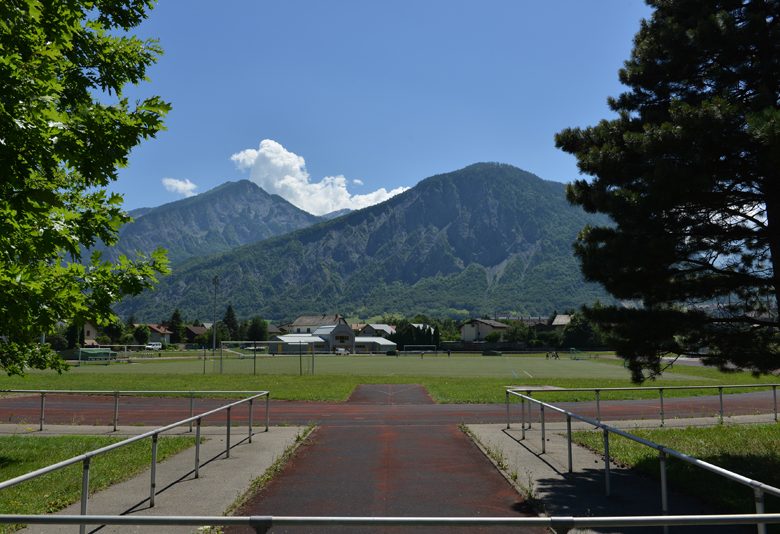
<point x="229" y="215"/>
<point x="486" y="237"/>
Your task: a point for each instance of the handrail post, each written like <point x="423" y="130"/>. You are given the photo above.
<point x="774" y="398"/>
<point x="84" y="491"/>
<point x="720" y="396"/>
<point x="661" y="396"/>
<point x="507" y="409"/>
<point x="760" y="509"/>
<point x="598" y="405"/>
<point x="522" y="417"/>
<point x="153" y="478"/>
<point x="530" y="404"/>
<point x="664" y="491"/>
<point x="250" y="420"/>
<point x="541" y="416"/>
<point x="267" y="412"/>
<point x="43" y="408"/>
<point x="606" y="462"/>
<point x="197" y="448"/>
<point x="116" y="409"/>
<point x="227" y="435"/>
<point x="568" y="438"/>
<point x="192" y="407"/>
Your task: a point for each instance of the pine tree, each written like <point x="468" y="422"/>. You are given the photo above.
<point x="176" y="326"/>
<point x="230" y="322"/>
<point x="688" y="174"/>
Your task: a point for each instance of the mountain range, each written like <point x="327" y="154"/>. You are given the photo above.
<point x="230" y="215"/>
<point x="486" y="238"/>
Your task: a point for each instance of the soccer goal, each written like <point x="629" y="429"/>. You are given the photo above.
<point x="248" y="356"/>
<point x="420" y="349"/>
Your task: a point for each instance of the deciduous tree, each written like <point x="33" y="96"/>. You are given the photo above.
<point x="688" y="172"/>
<point x="65" y="129"/>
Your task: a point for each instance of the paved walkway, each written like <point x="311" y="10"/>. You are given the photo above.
<point x="390" y="469"/>
<point x="221" y="480"/>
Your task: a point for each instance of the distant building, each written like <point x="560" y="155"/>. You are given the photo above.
<point x="192" y="331"/>
<point x="273" y="330"/>
<point x="297" y="344"/>
<point x="90" y="334"/>
<point x="307" y="324"/>
<point x="377" y="329"/>
<point x="477" y="329"/>
<point x="337" y="336"/>
<point x="159" y="334"/>
<point x="369" y="344"/>
<point x="561" y="320"/>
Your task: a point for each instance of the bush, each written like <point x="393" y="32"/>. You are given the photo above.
<point x="493" y="337"/>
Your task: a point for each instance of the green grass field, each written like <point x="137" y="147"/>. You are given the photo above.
<point x="456" y="379"/>
<point x="752" y="451"/>
<point x="54" y="491"/>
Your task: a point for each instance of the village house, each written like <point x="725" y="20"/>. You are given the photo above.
<point x="307" y="324"/>
<point x="159" y="334"/>
<point x="377" y="330"/>
<point x="478" y="329"/>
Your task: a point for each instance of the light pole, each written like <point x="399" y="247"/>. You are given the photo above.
<point x="214" y="325"/>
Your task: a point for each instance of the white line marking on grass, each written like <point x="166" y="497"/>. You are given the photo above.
<point x="526" y="372"/>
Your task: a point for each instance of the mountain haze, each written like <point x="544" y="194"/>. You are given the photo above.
<point x="232" y="214"/>
<point x="486" y="238"/>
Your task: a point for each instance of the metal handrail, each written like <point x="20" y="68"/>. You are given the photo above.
<point x="262" y="524"/>
<point x="118" y="393"/>
<point x="86" y="458"/>
<point x="660" y="389"/>
<point x="759" y="488"/>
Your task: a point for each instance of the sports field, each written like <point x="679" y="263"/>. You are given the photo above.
<point x="509" y="367"/>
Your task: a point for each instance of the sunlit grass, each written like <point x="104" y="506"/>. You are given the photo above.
<point x="54" y="491"/>
<point x="459" y="383"/>
<point x="751" y="451"/>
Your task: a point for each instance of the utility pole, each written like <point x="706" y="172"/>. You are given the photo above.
<point x="214" y="325"/>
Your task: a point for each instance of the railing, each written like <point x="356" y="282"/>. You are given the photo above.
<point x="759" y="488"/>
<point x="661" y="389"/>
<point x="116" y="394"/>
<point x="86" y="458"/>
<point x="262" y="524"/>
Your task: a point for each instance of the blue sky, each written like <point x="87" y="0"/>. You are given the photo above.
<point x="372" y="96"/>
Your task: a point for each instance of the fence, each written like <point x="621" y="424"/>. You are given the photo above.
<point x="759" y="488"/>
<point x="86" y="458"/>
<point x="262" y="524"/>
<point x="117" y="394"/>
<point x="597" y="392"/>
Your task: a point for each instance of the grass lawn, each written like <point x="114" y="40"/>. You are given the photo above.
<point x="459" y="379"/>
<point x="751" y="451"/>
<point x="54" y="491"/>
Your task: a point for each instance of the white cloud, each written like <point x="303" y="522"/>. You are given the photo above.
<point x="279" y="171"/>
<point x="357" y="182"/>
<point x="184" y="188"/>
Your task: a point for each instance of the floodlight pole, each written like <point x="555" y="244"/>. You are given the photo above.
<point x="214" y="324"/>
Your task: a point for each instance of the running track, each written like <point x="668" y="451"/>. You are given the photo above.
<point x="397" y="409"/>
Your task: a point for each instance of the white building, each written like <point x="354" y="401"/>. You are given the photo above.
<point x="477" y="329"/>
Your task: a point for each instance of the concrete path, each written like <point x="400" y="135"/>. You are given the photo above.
<point x="369" y="469"/>
<point x="221" y="481"/>
<point x="582" y="492"/>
